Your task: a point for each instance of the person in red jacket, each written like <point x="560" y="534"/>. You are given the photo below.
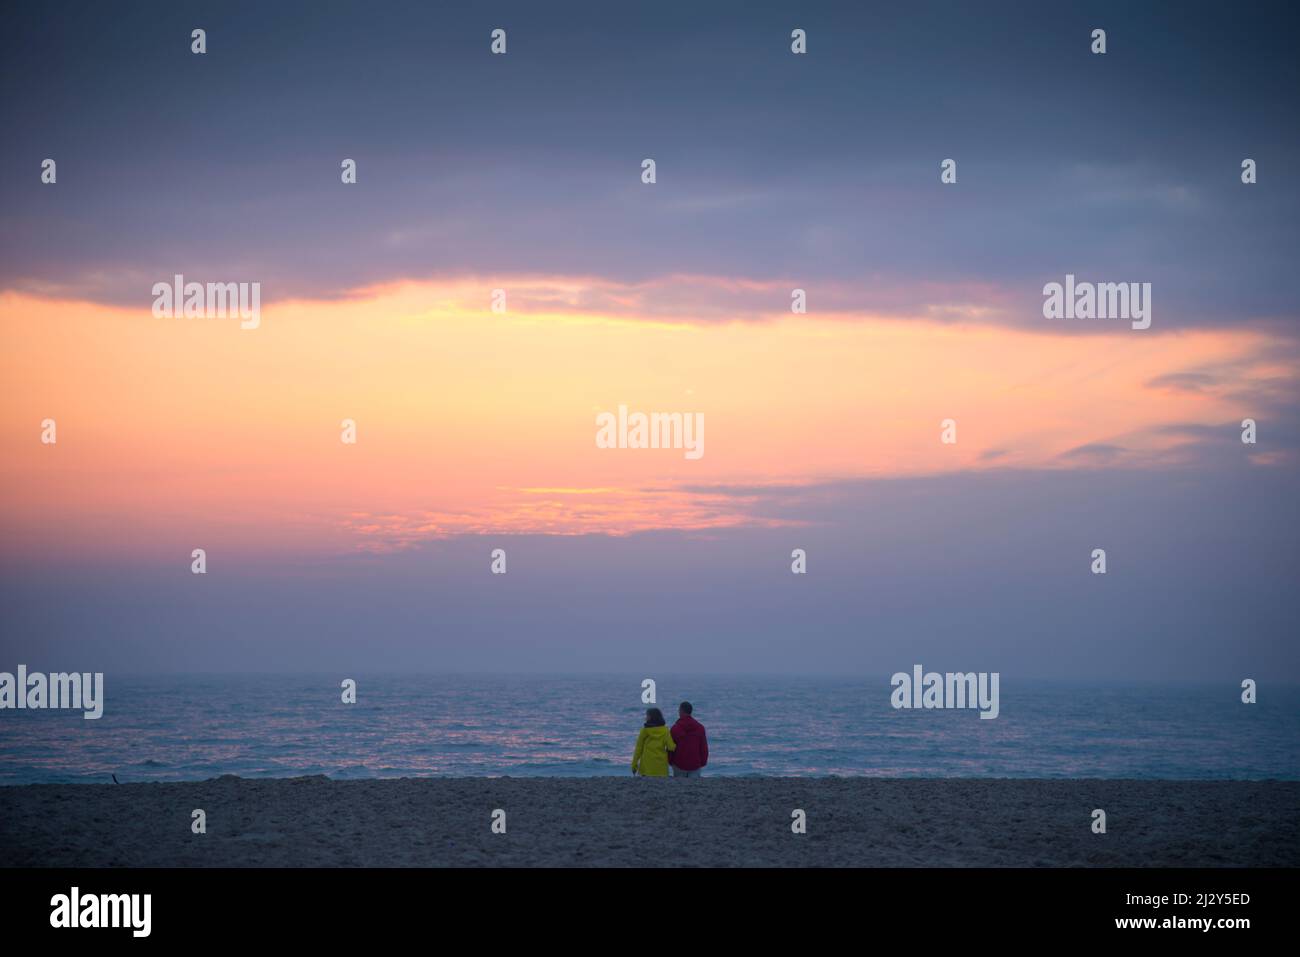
<point x="692" y="744"/>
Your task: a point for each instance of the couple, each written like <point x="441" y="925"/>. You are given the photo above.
<point x="685" y="747"/>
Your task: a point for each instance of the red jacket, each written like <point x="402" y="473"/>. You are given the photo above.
<point x="692" y="745"/>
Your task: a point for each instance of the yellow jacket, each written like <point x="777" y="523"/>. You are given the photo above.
<point x="651" y="755"/>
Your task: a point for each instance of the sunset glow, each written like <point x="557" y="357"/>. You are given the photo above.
<point x="475" y="422"/>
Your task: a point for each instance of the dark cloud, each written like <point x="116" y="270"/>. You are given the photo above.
<point x="988" y="571"/>
<point x="1186" y="382"/>
<point x="823" y="168"/>
<point x="1100" y="453"/>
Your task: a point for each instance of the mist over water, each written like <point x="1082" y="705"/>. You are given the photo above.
<point x="170" y="728"/>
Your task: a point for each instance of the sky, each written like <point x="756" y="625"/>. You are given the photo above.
<point x="476" y="429"/>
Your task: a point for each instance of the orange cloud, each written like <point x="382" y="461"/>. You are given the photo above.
<point x="172" y="430"/>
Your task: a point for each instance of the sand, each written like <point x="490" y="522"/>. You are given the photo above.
<point x="629" y="822"/>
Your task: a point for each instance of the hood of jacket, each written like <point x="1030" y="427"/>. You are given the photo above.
<point x="687" y="726"/>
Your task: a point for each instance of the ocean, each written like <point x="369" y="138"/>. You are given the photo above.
<point x="175" y="728"/>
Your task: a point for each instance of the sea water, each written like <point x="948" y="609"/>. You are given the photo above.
<point x="166" y="728"/>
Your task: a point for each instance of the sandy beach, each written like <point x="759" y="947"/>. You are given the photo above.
<point x="627" y="822"/>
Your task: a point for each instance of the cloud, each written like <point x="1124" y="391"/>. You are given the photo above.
<point x="612" y="512"/>
<point x="1096" y="453"/>
<point x="1187" y="382"/>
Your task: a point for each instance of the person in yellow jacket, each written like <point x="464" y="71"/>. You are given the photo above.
<point x="650" y="758"/>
